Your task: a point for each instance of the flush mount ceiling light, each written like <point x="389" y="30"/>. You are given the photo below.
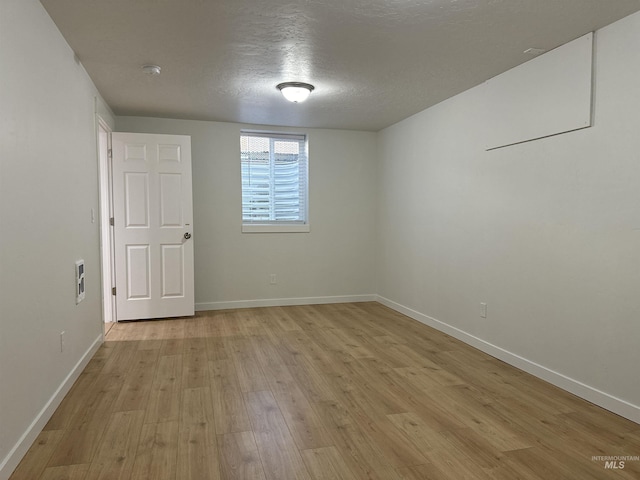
<point x="295" y="92"/>
<point x="151" y="69"/>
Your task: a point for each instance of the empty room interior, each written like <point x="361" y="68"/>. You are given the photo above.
<point x="303" y="240"/>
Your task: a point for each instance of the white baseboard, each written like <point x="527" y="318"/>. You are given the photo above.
<point x="11" y="461"/>
<point x="284" y="302"/>
<point x="593" y="395"/>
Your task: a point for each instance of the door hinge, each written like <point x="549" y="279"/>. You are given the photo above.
<point x="112" y="221"/>
<point x="110" y="153"/>
<point x="113" y="290"/>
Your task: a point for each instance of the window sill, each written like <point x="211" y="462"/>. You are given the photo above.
<point x="267" y="228"/>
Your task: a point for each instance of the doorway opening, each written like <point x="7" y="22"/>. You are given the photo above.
<point x="106" y="229"/>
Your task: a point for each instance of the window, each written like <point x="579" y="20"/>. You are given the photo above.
<point x="274" y="182"/>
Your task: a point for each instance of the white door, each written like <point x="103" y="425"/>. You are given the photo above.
<point x="153" y="220"/>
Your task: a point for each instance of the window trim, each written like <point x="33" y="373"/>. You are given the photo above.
<point x="275" y="226"/>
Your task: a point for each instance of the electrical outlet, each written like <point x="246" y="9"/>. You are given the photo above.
<point x="483" y="310"/>
<point x="61" y="341"/>
<point x="272" y="279"/>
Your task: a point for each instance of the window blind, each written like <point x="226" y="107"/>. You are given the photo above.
<point x="274" y="178"/>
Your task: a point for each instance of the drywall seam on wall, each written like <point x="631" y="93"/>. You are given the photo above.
<point x="593" y="395"/>
<point x="11" y="461"/>
<point x="284" y="302"/>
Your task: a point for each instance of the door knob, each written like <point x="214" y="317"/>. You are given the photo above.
<point x="187" y="236"/>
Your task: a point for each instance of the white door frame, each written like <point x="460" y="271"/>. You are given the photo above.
<point x="106" y="213"/>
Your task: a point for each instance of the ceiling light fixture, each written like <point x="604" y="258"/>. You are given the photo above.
<point x="151" y="69"/>
<point x="296" y="92"/>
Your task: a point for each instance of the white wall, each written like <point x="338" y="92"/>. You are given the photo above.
<point x="333" y="262"/>
<point x="48" y="185"/>
<point x="547" y="233"/>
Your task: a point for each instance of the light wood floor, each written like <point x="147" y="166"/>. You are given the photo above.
<point x="349" y="391"/>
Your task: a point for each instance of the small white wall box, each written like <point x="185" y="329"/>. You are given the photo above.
<point x="79" y="281"/>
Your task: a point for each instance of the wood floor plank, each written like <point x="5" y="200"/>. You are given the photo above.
<point x="157" y="452"/>
<point x="96" y="364"/>
<point x="319" y="354"/>
<point x="37" y="458"/>
<point x="152" y="334"/>
<point x="278" y="451"/>
<point x="116" y="455"/>
<point x="85" y="429"/>
<point x="480" y="419"/>
<point x="198" y="456"/>
<point x="66" y="472"/>
<point x="396" y="448"/>
<point x="565" y="430"/>
<point x="248" y="367"/>
<point x="351" y="317"/>
<point x="362" y="456"/>
<point x="171" y="346"/>
<point x="326" y="464"/>
<point x="268" y="356"/>
<point x="240" y="457"/>
<point x="195" y="327"/>
<point x="541" y="392"/>
<point x="164" y="400"/>
<point x="217" y="348"/>
<point x="300" y="417"/>
<point x="428" y="378"/>
<point x="456" y="465"/>
<point x="195" y="369"/>
<point x="315" y="386"/>
<point x="290" y="355"/>
<point x="79" y="444"/>
<point x="117" y="332"/>
<point x="294" y="406"/>
<point x="427" y="471"/>
<point x="335" y="339"/>
<point x="215" y="325"/>
<point x="121" y="358"/>
<point x="473" y="446"/>
<point x="309" y="318"/>
<point x="173" y="338"/>
<point x="228" y="402"/>
<point x="401" y="396"/>
<point x="135" y="392"/>
<point x="74" y="401"/>
<point x="536" y="463"/>
<point x="248" y="325"/>
<point x="280" y="320"/>
<point x="425" y="438"/>
<point x="358" y="392"/>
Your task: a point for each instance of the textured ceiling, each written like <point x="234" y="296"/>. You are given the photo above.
<point x="373" y="62"/>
